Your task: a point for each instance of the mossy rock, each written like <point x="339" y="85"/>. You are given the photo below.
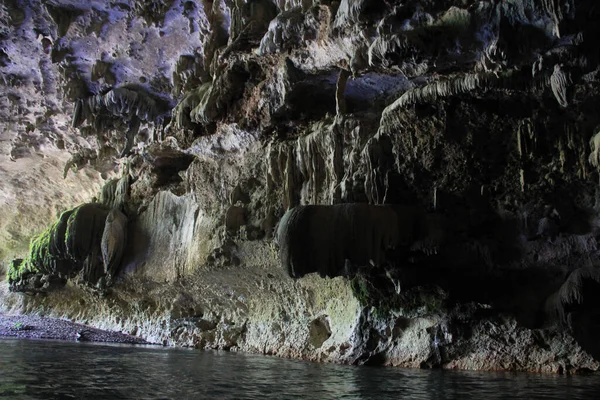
<point x="40" y="255"/>
<point x="379" y="293"/>
<point x="84" y="229"/>
<point x="18" y="268"/>
<point x="372" y="292"/>
<point x="58" y="247"/>
<point x="62" y="250"/>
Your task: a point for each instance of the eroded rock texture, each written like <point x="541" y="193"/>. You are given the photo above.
<point x="435" y="161"/>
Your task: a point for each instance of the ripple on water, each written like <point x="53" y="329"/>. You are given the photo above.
<point x="31" y="369"/>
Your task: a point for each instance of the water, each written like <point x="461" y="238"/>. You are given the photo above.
<point x="61" y="370"/>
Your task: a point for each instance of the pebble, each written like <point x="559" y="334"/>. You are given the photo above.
<point x="36" y="327"/>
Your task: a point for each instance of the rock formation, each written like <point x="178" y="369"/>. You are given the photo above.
<point x="372" y="182"/>
<point x="114" y="241"/>
<point x="323" y="238"/>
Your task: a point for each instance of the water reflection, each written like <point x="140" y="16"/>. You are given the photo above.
<point x="59" y="370"/>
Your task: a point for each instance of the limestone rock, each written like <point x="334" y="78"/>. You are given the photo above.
<point x="321" y="238"/>
<point x="114" y="241"/>
<point x="228" y="117"/>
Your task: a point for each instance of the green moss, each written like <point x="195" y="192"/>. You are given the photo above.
<point x="66" y="216"/>
<point x="370" y="292"/>
<point x="17" y="268"/>
<point x="39" y="250"/>
<point x="39" y="258"/>
<point x="425" y="300"/>
<point x="62" y="248"/>
<point x="380" y="294"/>
<point x="361" y="291"/>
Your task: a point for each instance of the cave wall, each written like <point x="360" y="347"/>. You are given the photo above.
<point x="475" y="118"/>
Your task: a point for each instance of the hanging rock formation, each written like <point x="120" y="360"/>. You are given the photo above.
<point x="114" y="241"/>
<point x="70" y="245"/>
<point x="321" y="238"/>
<point x="88" y="240"/>
<point x="429" y="171"/>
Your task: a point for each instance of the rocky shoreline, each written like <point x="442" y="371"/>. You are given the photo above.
<point x="36" y="327"/>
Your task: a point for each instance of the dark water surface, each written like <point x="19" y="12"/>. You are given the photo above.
<point x="32" y="369"/>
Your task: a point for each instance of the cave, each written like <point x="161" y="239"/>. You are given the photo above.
<point x="399" y="183"/>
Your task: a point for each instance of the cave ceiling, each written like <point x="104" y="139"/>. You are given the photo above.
<point x="88" y="87"/>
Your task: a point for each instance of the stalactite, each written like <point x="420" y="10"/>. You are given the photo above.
<point x="125" y="103"/>
<point x="309" y="169"/>
<point x="79" y="160"/>
<point x="321" y="238"/>
<point x="451" y="87"/>
<point x="121" y="106"/>
<point x="348" y="12"/>
<point x="85" y="227"/>
<point x="182" y="112"/>
<point x="311" y="165"/>
<point x="370" y="154"/>
<point x="205" y="100"/>
<point x="594" y="157"/>
<point x="78" y="114"/>
<point x="340" y="88"/>
<point x="559" y="82"/>
<point x="291" y="178"/>
<point x="463" y="84"/>
<point x="114" y="241"/>
<point x="107" y="194"/>
<point x="526" y="144"/>
<point x="571" y="293"/>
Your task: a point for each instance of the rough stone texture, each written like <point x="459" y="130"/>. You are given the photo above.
<point x="33" y="194"/>
<point x="478" y="115"/>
